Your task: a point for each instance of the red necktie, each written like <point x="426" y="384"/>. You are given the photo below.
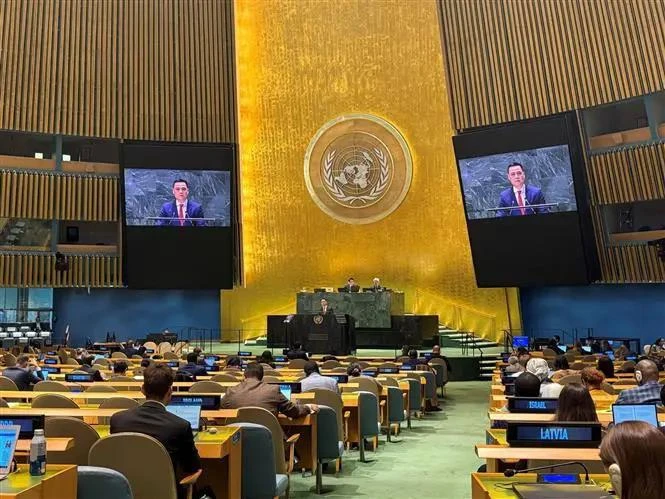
<point x="181" y="215"/>
<point x="520" y="202"/>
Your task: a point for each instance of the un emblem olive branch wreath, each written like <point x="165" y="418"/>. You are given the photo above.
<point x="375" y="193"/>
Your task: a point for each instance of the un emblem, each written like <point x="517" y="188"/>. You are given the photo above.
<point x="358" y="168"/>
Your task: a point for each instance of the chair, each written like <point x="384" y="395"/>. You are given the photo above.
<point x="164" y="347"/>
<point x="3" y="403"/>
<point x="121" y="378"/>
<point x="351" y="359"/>
<point x="368" y="411"/>
<point x="607" y="388"/>
<point x="207" y="387"/>
<point x="258" y="415"/>
<point x="150" y="345"/>
<point x="72" y="362"/>
<point x="389" y="381"/>
<point x="102" y="362"/>
<point x="7" y="384"/>
<point x="296" y="364"/>
<point x="571" y="378"/>
<point x="363" y="364"/>
<point x="260" y="480"/>
<point x="388" y="364"/>
<point x="83" y="434"/>
<point x="367" y="384"/>
<point x="179" y="347"/>
<point x="415" y="402"/>
<point x="441" y="369"/>
<point x="394" y="409"/>
<point x="101" y="483"/>
<point x="147" y="460"/>
<point x="50" y="386"/>
<point x="577" y="366"/>
<point x="403" y="359"/>
<point x="335" y="402"/>
<point x="272" y="379"/>
<point x="53" y="401"/>
<point x="136" y="356"/>
<point x="9" y="360"/>
<point x="224" y="378"/>
<point x="548" y="352"/>
<point x="118" y="355"/>
<point x="119" y="403"/>
<point x="330" y="364"/>
<point x="171" y="356"/>
<point x="329" y="446"/>
<point x="340" y="369"/>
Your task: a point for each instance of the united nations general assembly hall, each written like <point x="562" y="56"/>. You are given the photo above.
<point x="368" y="249"/>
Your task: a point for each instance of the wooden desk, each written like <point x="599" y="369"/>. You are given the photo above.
<point x="59" y="482"/>
<point x="221" y="459"/>
<point x="53" y="444"/>
<point x="495" y="453"/>
<point x="486" y="485"/>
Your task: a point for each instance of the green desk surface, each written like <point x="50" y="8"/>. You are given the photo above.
<point x="22" y="480"/>
<point x="500" y="487"/>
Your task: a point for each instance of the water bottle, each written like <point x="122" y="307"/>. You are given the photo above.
<point x="38" y="454"/>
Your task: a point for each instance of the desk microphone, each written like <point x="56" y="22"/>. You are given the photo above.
<point x="510" y="472"/>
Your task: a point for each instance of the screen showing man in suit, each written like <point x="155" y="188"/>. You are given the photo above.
<point x="172" y="198"/>
<point x="520" y="183"/>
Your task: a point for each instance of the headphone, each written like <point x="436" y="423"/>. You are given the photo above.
<point x="638" y="376"/>
<point x="615" y="477"/>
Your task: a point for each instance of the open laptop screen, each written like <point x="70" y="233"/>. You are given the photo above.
<point x="644" y="412"/>
<point x="8" y="438"/>
<point x="190" y="413"/>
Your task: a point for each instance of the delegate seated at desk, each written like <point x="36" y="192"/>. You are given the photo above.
<point x="350" y="286"/>
<point x="25" y="374"/>
<point x="152" y="418"/>
<point x="648" y="388"/>
<point x="314" y="379"/>
<point x="253" y="392"/>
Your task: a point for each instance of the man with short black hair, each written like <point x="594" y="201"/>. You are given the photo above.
<point x="297" y="352"/>
<point x="520" y="197"/>
<point x="130" y="350"/>
<point x="181" y="211"/>
<point x="25" y="374"/>
<point x="315" y="380"/>
<point x="120" y="368"/>
<point x="192" y="367"/>
<point x="253" y="392"/>
<point x="648" y="389"/>
<point x="351" y="286"/>
<point x="152" y="418"/>
<point x="527" y="385"/>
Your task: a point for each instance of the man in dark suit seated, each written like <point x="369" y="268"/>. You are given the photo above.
<point x="297" y="352"/>
<point x="436" y="354"/>
<point x="192" y="367"/>
<point x="351" y="286"/>
<point x="25" y="373"/>
<point x="152" y="418"/>
<point x="253" y="392"/>
<point x="181" y="211"/>
<point x="86" y="366"/>
<point x="519" y="197"/>
<point x="130" y="349"/>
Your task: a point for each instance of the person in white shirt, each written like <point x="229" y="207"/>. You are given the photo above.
<point x="315" y="380"/>
<point x="541" y="369"/>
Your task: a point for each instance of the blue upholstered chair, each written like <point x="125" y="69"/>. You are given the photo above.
<point x="259" y="479"/>
<point x="329" y="447"/>
<point x="368" y="411"/>
<point x="102" y="483"/>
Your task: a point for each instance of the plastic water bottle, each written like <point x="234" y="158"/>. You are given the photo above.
<point x="38" y="454"/>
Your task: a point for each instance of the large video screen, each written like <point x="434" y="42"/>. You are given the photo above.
<point x="178" y="215"/>
<point x="525" y="199"/>
<point x="519" y="183"/>
<point x="177" y="198"/>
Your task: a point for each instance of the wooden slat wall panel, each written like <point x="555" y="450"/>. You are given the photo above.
<point x="140" y="69"/>
<point x="47" y="196"/>
<point x="635" y="174"/>
<point x="37" y="270"/>
<point x="515" y="59"/>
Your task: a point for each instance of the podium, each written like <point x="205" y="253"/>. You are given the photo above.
<point x="324" y="334"/>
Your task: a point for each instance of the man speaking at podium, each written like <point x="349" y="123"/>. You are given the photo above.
<point x="520" y="196"/>
<point x="181" y="211"/>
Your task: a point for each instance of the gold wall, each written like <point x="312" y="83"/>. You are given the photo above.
<point x="301" y="63"/>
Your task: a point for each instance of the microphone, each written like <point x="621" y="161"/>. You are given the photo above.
<point x="510" y="472"/>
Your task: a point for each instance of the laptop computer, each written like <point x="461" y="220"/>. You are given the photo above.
<point x="189" y="412"/>
<point x="8" y="439"/>
<point x="635" y="412"/>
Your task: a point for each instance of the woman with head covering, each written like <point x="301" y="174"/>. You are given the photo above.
<point x="541" y="370"/>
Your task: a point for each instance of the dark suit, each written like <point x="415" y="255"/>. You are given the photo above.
<point x="170" y="210"/>
<point x="130" y="351"/>
<point x="174" y="433"/>
<point x="23" y="377"/>
<point x="329" y="310"/>
<point x="194" y="370"/>
<point x="532" y="194"/>
<point x="254" y="393"/>
<point x="296" y="354"/>
<point x="351" y="289"/>
<point x="377" y="289"/>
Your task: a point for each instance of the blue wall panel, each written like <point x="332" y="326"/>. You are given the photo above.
<point x="626" y="310"/>
<point x="132" y="313"/>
